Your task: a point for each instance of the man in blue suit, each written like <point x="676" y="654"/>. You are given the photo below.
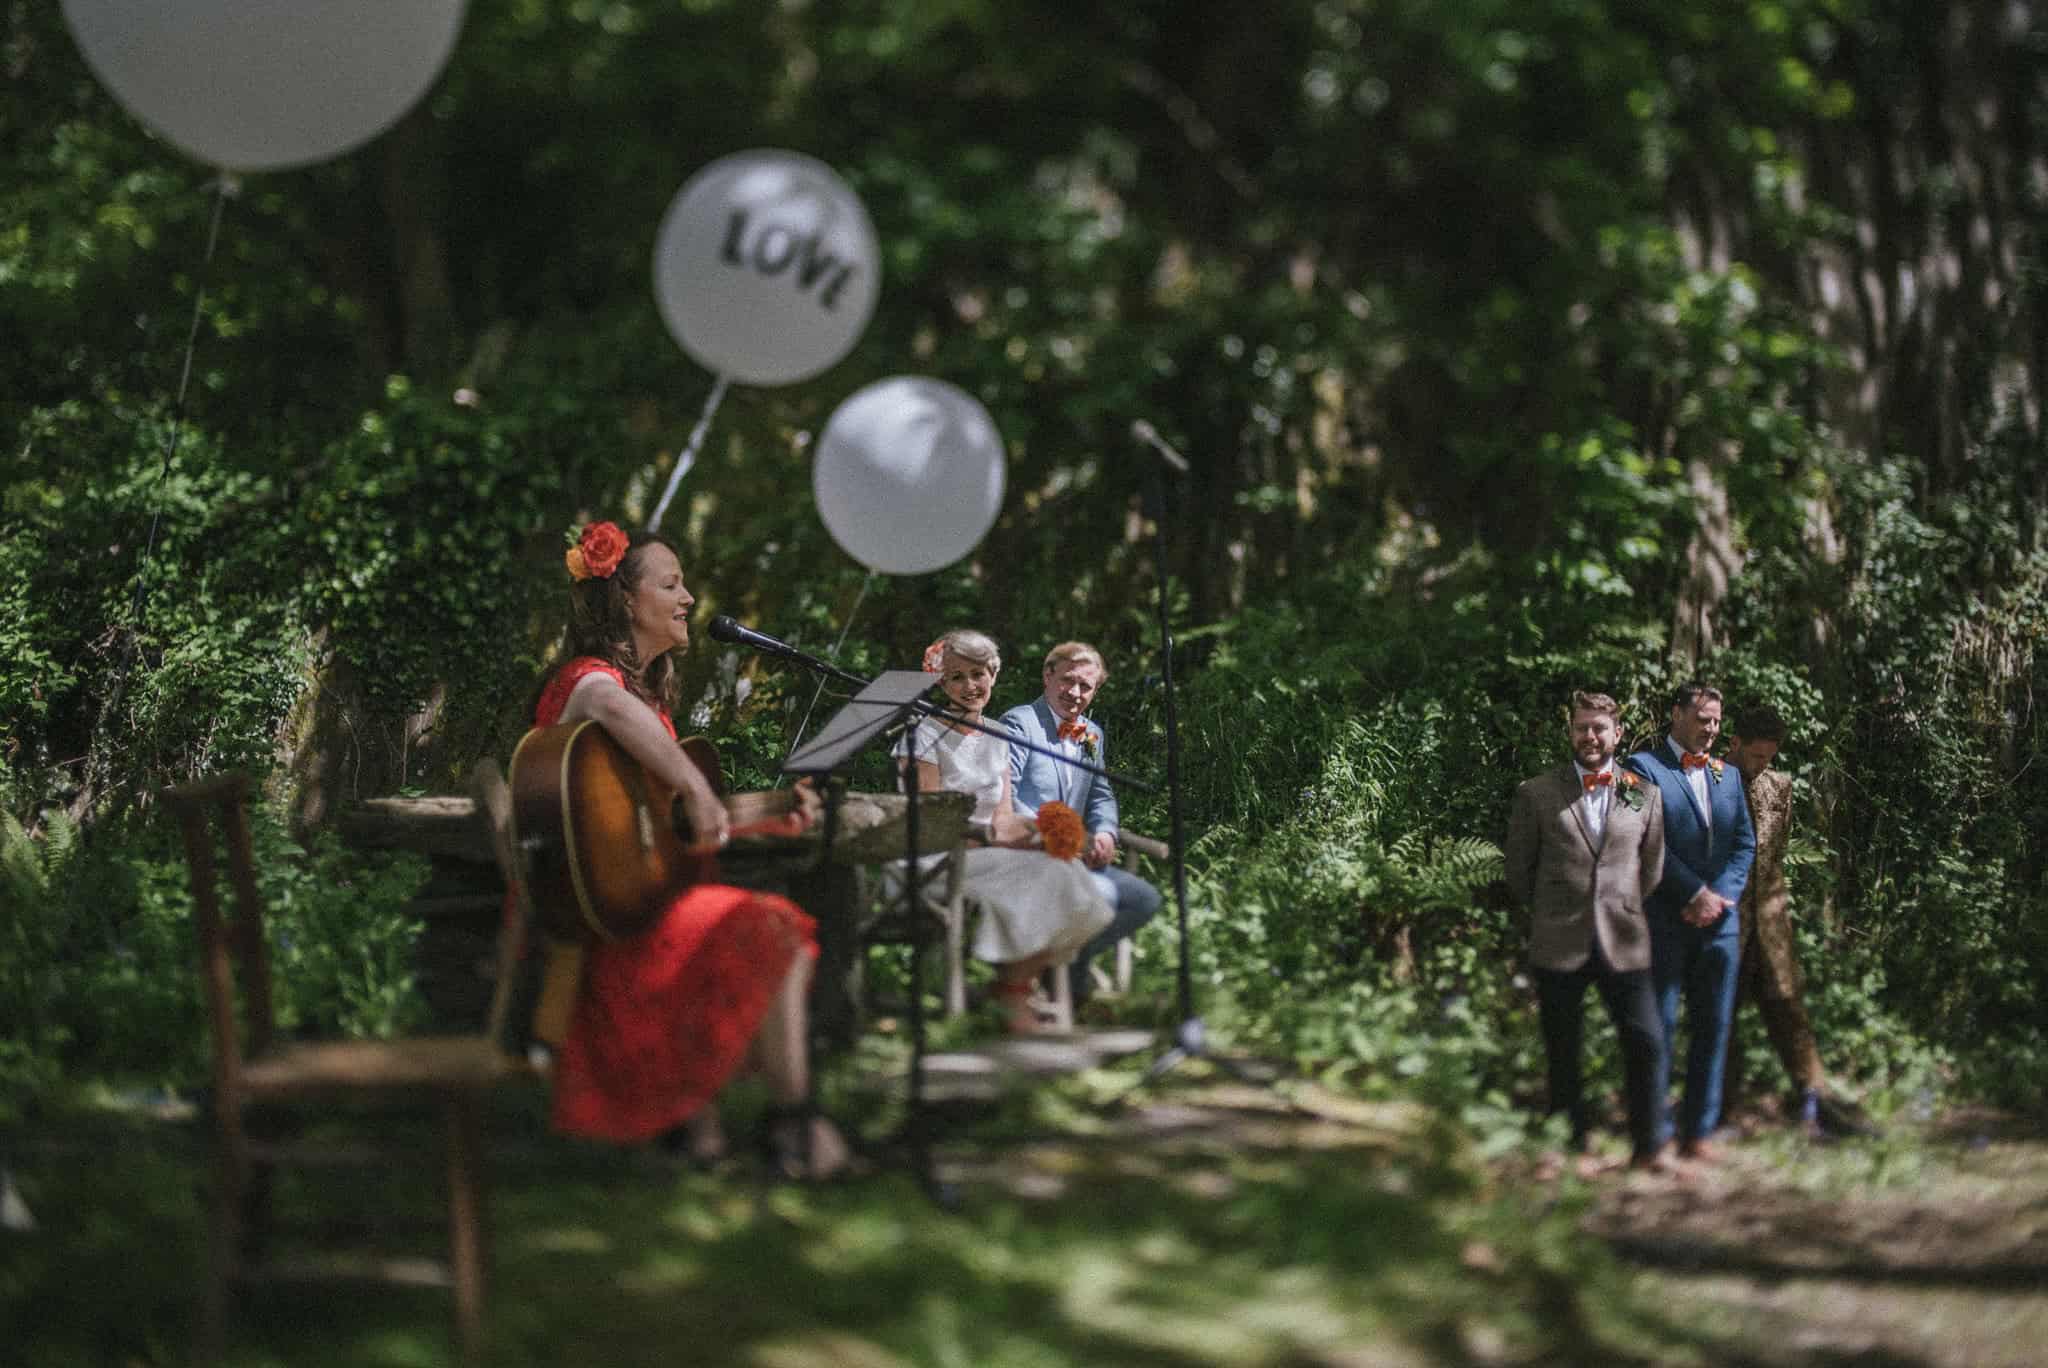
<point x="1695" y="933"/>
<point x="1059" y="718"/>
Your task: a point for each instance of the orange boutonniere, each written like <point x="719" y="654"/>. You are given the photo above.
<point x="597" y="552"/>
<point x="1060" y="831"/>
<point x="1082" y="735"/>
<point x="1628" y="787"/>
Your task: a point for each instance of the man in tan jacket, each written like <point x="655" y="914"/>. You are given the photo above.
<point x="1585" y="847"/>
<point x="1769" y="975"/>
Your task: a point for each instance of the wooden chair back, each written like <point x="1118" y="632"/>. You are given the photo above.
<point x="252" y="1067"/>
<point x="234" y="957"/>
<point x="494" y="805"/>
<point x="940" y="895"/>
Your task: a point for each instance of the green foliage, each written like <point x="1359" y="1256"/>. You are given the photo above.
<point x="1457" y="309"/>
<point x="1911" y="753"/>
<point x="99" y="977"/>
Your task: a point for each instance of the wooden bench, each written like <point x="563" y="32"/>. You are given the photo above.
<point x="452" y="832"/>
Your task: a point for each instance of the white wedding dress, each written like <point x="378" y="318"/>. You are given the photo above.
<point x="1031" y="904"/>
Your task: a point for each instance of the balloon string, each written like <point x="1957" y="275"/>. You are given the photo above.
<point x="225" y="188"/>
<point x="819" y="692"/>
<point x="689" y="456"/>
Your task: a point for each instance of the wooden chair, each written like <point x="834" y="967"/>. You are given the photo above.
<point x="255" y="1074"/>
<point x="1059" y="982"/>
<point x="942" y="896"/>
<point x="1132" y="845"/>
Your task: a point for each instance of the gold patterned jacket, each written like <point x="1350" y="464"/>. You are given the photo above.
<point x="1766" y="910"/>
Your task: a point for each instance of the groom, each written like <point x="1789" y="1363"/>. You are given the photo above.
<point x="1695" y="928"/>
<point x="1585" y="849"/>
<point x="1058" y="718"/>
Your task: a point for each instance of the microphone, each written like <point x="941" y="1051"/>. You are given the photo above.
<point x="724" y="629"/>
<point x="1149" y="435"/>
<point x="732" y="633"/>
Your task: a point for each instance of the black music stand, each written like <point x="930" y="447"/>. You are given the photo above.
<point x="886" y="700"/>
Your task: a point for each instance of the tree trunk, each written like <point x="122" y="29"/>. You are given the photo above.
<point x="1711" y="561"/>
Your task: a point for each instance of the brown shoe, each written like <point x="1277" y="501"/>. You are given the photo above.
<point x="1659" y="1161"/>
<point x="1700" y="1151"/>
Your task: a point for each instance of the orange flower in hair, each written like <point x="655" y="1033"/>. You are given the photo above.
<point x="934" y="656"/>
<point x="1061" y="831"/>
<point x="597" y="552"/>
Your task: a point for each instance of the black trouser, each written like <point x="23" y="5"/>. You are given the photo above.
<point x="1632" y="1006"/>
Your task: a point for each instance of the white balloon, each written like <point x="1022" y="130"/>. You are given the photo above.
<point x="766" y="267"/>
<point x="909" y="475"/>
<point x="258" y="85"/>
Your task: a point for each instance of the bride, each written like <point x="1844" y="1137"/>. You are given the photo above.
<point x="1036" y="911"/>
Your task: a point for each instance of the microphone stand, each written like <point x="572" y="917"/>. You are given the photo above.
<point x="1190" y="1037"/>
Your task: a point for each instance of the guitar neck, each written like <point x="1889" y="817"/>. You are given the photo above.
<point x="749" y="809"/>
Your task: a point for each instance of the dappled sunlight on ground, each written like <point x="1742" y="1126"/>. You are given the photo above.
<point x="1197" y="1225"/>
<point x="1909" y="1249"/>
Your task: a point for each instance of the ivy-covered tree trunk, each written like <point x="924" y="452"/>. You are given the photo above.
<point x="1711" y="560"/>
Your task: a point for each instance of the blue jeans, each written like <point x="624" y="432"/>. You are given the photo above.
<point x="1699" y="962"/>
<point x="1134" y="901"/>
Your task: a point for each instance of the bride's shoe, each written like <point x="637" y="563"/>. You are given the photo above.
<point x="1020" y="1017"/>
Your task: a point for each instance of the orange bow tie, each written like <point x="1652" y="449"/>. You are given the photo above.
<point x="1073" y="731"/>
<point x="1603" y="779"/>
<point x="1693" y="760"/>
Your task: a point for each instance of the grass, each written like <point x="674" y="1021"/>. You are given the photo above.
<point x="1202" y="1228"/>
<point x="1202" y="1225"/>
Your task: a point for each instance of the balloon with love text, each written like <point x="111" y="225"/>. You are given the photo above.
<point x="261" y="85"/>
<point x="766" y="267"/>
<point x="909" y="475"/>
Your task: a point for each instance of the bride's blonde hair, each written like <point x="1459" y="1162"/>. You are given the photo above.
<point x="977" y="648"/>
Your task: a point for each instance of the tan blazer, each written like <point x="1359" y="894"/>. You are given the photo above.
<point x="1573" y="892"/>
<point x="1766" y="910"/>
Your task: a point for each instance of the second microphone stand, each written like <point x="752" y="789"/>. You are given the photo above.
<point x="1190" y="1037"/>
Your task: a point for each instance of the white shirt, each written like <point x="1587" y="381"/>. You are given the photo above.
<point x="969" y="762"/>
<point x="1594" y="803"/>
<point x="1696" y="779"/>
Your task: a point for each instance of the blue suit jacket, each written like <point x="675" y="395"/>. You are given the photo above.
<point x="1036" y="779"/>
<point x="1696" y="855"/>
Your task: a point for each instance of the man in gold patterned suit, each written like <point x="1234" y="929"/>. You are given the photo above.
<point x="1769" y="974"/>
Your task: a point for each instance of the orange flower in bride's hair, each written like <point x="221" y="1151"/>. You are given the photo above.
<point x="1061" y="831"/>
<point x="603" y="546"/>
<point x="574" y="560"/>
<point x="934" y="656"/>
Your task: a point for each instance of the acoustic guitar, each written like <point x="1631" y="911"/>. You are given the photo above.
<point x="606" y="844"/>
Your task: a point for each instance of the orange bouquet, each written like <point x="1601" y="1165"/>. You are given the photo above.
<point x="1060" y="831"/>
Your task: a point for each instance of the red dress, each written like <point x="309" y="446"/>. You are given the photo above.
<point x="664" y="1019"/>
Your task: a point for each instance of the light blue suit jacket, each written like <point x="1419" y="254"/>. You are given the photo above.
<point x="1715" y="855"/>
<point x="1037" y="779"/>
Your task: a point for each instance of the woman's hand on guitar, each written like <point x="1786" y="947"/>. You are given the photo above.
<point x="809" y="809"/>
<point x="710" y="823"/>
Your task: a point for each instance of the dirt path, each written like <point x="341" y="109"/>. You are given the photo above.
<point x="1918" y="1248"/>
<point x="1928" y="1249"/>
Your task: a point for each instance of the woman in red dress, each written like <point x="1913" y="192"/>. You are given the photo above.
<point x="718" y="985"/>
